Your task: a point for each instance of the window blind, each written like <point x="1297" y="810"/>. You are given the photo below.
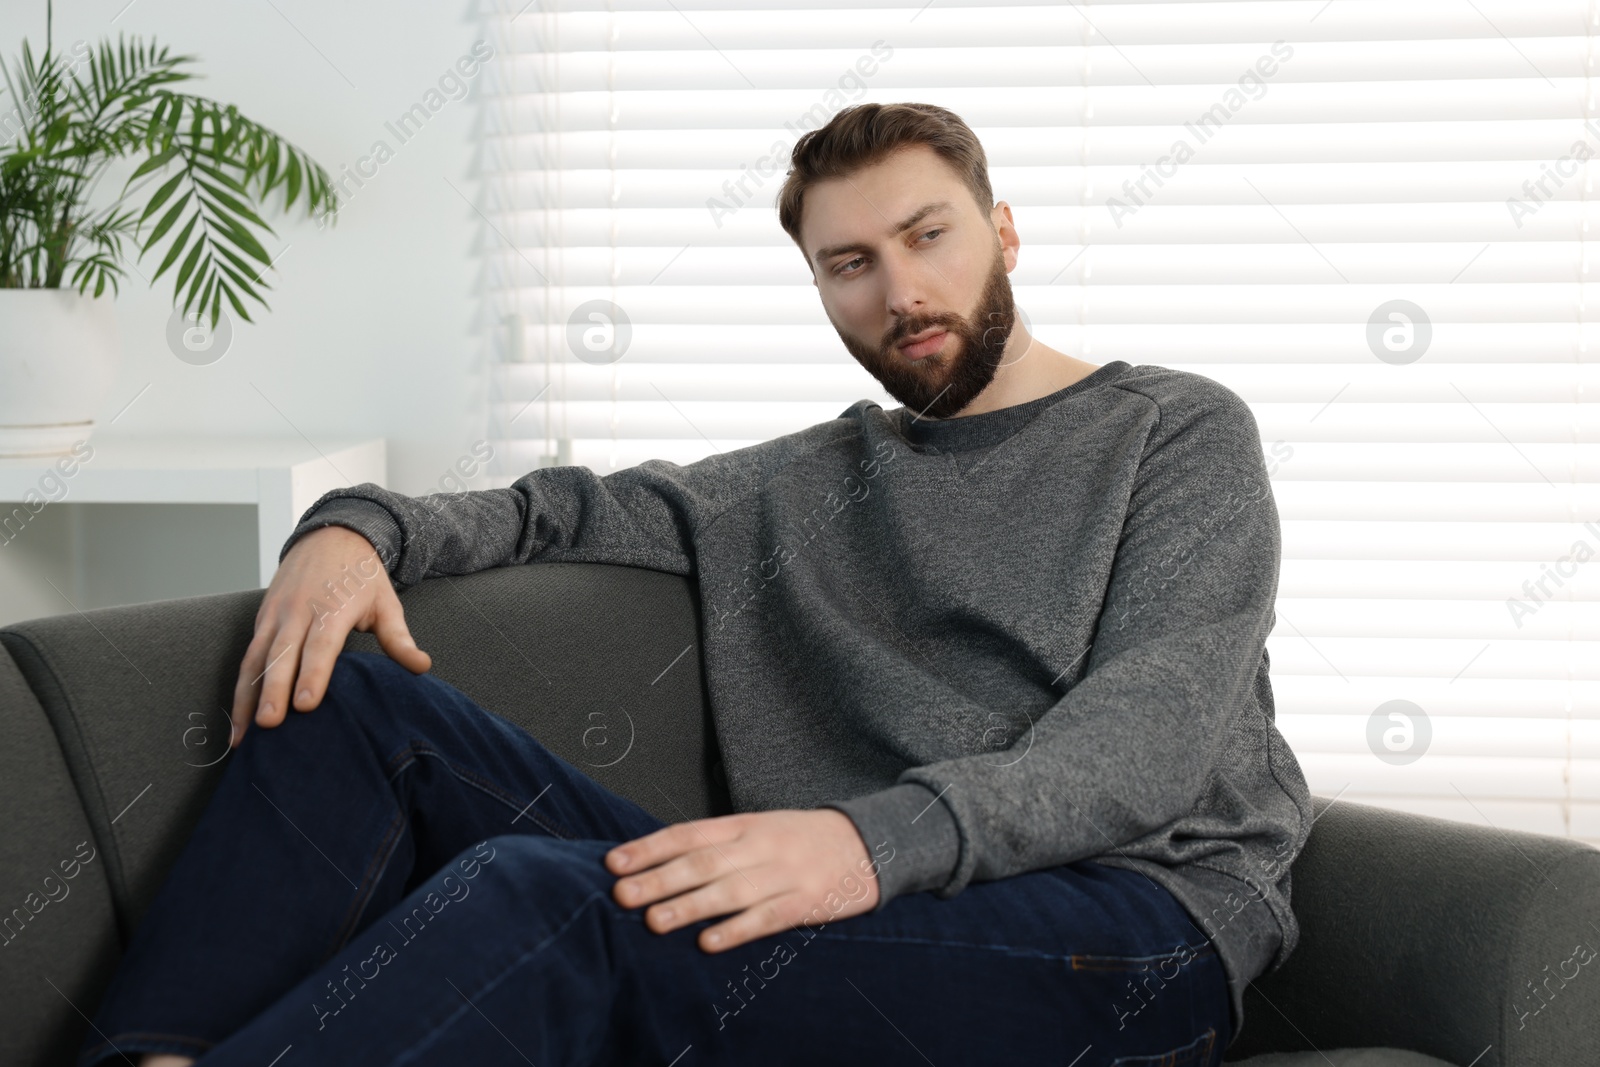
<point x="1370" y="219"/>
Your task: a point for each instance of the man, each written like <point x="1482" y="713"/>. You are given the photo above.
<point x="989" y="678"/>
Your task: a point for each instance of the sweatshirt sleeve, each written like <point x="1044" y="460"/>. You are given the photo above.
<point x="640" y="516"/>
<point x="1176" y="649"/>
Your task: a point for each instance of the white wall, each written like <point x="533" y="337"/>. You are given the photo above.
<point x="374" y="328"/>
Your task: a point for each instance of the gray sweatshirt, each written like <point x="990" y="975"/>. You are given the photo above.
<point x="998" y="643"/>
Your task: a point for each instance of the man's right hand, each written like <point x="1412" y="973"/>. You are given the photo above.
<point x="302" y="624"/>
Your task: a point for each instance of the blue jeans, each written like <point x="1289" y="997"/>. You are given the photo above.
<point x="401" y="877"/>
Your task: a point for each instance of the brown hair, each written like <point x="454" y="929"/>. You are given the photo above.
<point x="864" y="134"/>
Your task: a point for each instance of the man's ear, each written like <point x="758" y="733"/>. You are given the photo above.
<point x="1006" y="232"/>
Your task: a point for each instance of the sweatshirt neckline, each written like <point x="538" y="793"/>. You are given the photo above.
<point x="991" y="427"/>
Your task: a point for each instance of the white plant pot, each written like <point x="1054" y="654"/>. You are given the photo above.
<point x="59" y="354"/>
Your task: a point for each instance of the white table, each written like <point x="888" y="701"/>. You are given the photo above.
<point x="281" y="476"/>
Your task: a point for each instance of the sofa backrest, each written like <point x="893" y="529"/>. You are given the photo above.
<point x="116" y="726"/>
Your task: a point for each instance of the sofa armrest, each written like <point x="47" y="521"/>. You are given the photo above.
<point x="1464" y="942"/>
<point x="57" y="940"/>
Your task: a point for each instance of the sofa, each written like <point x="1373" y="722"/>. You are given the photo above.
<point x="1423" y="941"/>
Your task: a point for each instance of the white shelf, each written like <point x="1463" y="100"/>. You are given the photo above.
<point x="282" y="476"/>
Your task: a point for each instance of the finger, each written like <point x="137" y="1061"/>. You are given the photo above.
<point x="394" y="636"/>
<point x="324" y="639"/>
<point x="669" y="842"/>
<point x="774" y="915"/>
<point x="246" y="690"/>
<point x="679" y="875"/>
<point x="722" y="896"/>
<point x="275" y="679"/>
<point x="689" y="872"/>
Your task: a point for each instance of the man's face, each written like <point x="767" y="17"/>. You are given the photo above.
<point x="901" y="251"/>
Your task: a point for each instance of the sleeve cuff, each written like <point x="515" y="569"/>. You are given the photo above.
<point x="910" y="832"/>
<point x="366" y="517"/>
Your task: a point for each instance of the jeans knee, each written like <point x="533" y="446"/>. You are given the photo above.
<point x="353" y="697"/>
<point x="531" y="882"/>
<point x="361" y="671"/>
<point x="554" y="865"/>
<point x="364" y="685"/>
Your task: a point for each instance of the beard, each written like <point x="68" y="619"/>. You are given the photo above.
<point x="942" y="384"/>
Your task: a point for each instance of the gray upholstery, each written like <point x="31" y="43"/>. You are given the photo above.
<point x="59" y="942"/>
<point x="1421" y="933"/>
<point x="1417" y="934"/>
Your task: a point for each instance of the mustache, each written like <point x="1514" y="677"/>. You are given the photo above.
<point x="911" y="327"/>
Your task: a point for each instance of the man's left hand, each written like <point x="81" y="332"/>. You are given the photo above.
<point x="775" y="869"/>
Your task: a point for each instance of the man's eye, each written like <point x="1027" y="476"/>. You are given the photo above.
<point x="841" y="268"/>
<point x="937" y="229"/>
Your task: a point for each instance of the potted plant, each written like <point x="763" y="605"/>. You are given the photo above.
<point x="63" y="120"/>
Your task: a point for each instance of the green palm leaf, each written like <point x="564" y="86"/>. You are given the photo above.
<point x="212" y="168"/>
